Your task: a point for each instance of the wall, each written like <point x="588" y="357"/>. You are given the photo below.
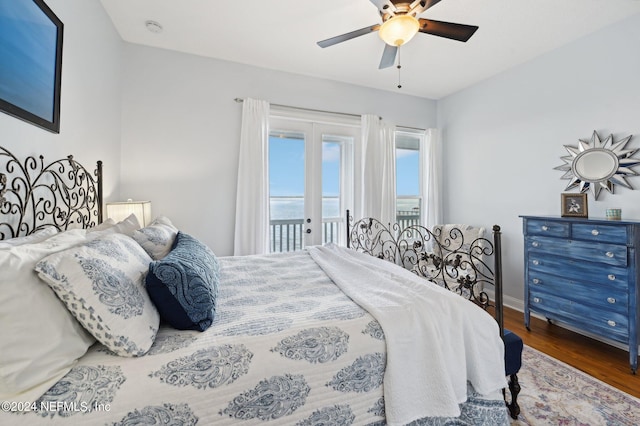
<point x="503" y="137"/>
<point x="90" y="95"/>
<point x="181" y="130"/>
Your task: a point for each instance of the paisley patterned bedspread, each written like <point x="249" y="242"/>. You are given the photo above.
<point x="287" y="347"/>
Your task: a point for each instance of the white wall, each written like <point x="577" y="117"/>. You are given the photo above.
<point x="503" y="137"/>
<point x="181" y="130"/>
<point x="90" y="95"/>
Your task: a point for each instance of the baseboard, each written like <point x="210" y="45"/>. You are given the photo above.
<point x="508" y="301"/>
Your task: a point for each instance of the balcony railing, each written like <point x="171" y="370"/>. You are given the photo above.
<point x="408" y="218"/>
<point x="288" y="234"/>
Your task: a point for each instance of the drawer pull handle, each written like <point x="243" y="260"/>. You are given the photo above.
<point x="609" y="254"/>
<point x="536" y="300"/>
<point x="545" y="228"/>
<point x="595" y="232"/>
<point x="536" y="262"/>
<point x="611" y="300"/>
<point x="611" y="323"/>
<point x="536" y="281"/>
<point x="611" y="277"/>
<point x="535" y="244"/>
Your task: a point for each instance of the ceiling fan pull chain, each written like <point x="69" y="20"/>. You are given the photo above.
<point x="399" y="66"/>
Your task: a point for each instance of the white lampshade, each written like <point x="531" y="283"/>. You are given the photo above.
<point x="121" y="210"/>
<point x="399" y="30"/>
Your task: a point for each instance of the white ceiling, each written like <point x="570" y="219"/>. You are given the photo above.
<point x="282" y="35"/>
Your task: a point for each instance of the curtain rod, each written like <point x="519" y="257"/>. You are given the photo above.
<point x="240" y="100"/>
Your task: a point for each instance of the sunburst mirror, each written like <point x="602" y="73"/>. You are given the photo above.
<point x="596" y="164"/>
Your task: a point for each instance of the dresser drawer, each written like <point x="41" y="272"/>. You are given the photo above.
<point x="610" y="324"/>
<point x="615" y="276"/>
<point x="609" y="297"/>
<point x="600" y="233"/>
<point x="611" y="254"/>
<point x="549" y="228"/>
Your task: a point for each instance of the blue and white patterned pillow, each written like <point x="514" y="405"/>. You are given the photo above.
<point x="157" y="238"/>
<point x="184" y="285"/>
<point x="102" y="284"/>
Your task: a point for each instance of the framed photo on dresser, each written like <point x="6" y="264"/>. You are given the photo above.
<point x="574" y="205"/>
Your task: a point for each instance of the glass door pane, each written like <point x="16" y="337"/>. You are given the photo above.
<point x="408" y="190"/>
<point x="330" y="190"/>
<point x="337" y="186"/>
<point x="287" y="191"/>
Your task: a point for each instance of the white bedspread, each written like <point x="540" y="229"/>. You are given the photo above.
<point x="436" y="340"/>
<point x="287" y="347"/>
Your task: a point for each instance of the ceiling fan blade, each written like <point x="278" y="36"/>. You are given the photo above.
<point x="348" y="36"/>
<point x="388" y="56"/>
<point x="449" y="30"/>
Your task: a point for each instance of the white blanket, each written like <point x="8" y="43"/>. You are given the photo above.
<point x="436" y="340"/>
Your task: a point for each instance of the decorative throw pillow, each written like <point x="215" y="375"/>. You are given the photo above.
<point x="157" y="238"/>
<point x="34" y="238"/>
<point x="101" y="227"/>
<point x="184" y="285"/>
<point x="40" y="339"/>
<point x="459" y="238"/>
<point x="102" y="284"/>
<point x="126" y="226"/>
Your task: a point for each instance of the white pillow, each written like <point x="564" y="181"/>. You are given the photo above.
<point x="40" y="339"/>
<point x="102" y="284"/>
<point x="34" y="238"/>
<point x="101" y="227"/>
<point x="157" y="238"/>
<point x="127" y="226"/>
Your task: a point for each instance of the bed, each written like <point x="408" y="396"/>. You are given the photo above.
<point x="320" y="336"/>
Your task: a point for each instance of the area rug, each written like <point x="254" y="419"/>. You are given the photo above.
<point x="554" y="393"/>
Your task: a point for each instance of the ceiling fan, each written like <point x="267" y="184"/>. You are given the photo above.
<point x="400" y="23"/>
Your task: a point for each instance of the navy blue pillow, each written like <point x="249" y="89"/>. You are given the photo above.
<point x="184" y="284"/>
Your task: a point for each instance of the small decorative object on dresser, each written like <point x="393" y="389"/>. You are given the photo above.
<point x="584" y="273"/>
<point x="574" y="205"/>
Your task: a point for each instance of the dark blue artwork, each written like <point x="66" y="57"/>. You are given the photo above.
<point x="30" y="62"/>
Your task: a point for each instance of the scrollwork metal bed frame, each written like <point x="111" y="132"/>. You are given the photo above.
<point x="35" y="195"/>
<point x="446" y="259"/>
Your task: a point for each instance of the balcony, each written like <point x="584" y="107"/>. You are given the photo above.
<point x="288" y="234"/>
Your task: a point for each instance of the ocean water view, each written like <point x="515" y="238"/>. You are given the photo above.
<point x="293" y="207"/>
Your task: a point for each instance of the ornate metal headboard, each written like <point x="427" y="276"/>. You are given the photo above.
<point x="443" y="257"/>
<point x="35" y="195"/>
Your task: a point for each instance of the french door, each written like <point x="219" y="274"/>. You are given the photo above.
<point x="310" y="182"/>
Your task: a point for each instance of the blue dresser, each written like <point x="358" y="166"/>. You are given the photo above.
<point x="584" y="273"/>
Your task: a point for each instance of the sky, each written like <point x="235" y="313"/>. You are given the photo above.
<point x="286" y="169"/>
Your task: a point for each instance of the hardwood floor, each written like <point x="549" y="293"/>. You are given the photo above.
<point x="600" y="360"/>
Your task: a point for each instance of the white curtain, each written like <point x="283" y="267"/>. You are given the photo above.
<point x="252" y="200"/>
<point x="378" y="193"/>
<point x="431" y="166"/>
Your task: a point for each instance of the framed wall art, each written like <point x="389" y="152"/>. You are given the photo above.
<point x="31" y="62"/>
<point x="574" y="205"/>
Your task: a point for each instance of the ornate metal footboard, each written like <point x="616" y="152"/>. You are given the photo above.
<point x="448" y="260"/>
<point x="35" y="195"/>
<point x="442" y="257"/>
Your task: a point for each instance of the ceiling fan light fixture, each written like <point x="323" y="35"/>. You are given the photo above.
<point x="399" y="29"/>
